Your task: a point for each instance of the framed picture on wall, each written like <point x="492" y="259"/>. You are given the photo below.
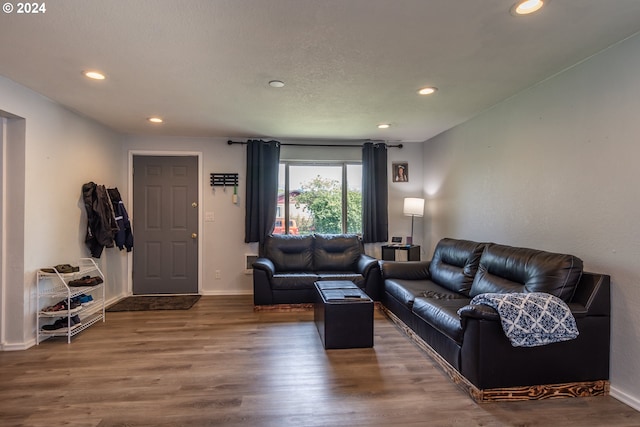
<point x="400" y="171"/>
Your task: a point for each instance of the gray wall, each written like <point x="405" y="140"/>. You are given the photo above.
<point x="556" y="168"/>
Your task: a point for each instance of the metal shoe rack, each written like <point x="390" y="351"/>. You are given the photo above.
<point x="54" y="287"/>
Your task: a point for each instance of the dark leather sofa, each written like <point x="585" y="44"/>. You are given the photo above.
<point x="288" y="266"/>
<point x="425" y="298"/>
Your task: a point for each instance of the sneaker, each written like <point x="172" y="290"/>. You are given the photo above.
<point x="73" y="305"/>
<point x="83" y="299"/>
<point x="63" y="323"/>
<point x="54" y="308"/>
<point x="62" y="306"/>
<point x="86" y="299"/>
<point x="58" y="324"/>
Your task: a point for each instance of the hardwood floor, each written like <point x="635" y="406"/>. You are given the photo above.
<point x="221" y="363"/>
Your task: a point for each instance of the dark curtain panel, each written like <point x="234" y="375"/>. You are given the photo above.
<point x="262" y="189"/>
<point x="375" y="213"/>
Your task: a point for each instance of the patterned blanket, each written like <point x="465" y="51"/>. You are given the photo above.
<point x="531" y="319"/>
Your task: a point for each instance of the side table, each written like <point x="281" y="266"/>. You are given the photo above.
<point x="389" y="252"/>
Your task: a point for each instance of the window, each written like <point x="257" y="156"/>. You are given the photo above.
<point x="319" y="198"/>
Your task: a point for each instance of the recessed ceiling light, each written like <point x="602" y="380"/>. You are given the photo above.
<point x="427" y="90"/>
<point x="384" y="126"/>
<point x="155" y="120"/>
<point x="95" y="75"/>
<point x="276" y="83"/>
<point x="527" y="6"/>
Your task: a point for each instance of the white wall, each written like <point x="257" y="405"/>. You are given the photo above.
<point x="61" y="151"/>
<point x="556" y="168"/>
<point x="222" y="241"/>
<point x="400" y="225"/>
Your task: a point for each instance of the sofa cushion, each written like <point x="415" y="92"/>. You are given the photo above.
<point x="442" y="315"/>
<point x="293" y="280"/>
<point x="506" y="269"/>
<point x="290" y="252"/>
<point x="406" y="291"/>
<point x="338" y="252"/>
<point x="455" y="263"/>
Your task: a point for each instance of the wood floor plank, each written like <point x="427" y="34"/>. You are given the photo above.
<point x="222" y="363"/>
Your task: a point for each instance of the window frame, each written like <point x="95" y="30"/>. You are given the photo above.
<point x="343" y="164"/>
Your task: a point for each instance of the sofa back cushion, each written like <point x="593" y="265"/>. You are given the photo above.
<point x="455" y="263"/>
<point x="289" y="252"/>
<point x="337" y="252"/>
<point x="505" y="269"/>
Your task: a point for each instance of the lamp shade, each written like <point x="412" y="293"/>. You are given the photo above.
<point x="413" y="206"/>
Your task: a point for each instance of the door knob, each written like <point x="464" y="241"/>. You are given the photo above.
<point x="194" y="204"/>
<point x="194" y="235"/>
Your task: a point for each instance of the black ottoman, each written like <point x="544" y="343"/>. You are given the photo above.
<point x="343" y="314"/>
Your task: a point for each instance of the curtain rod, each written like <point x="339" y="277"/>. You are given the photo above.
<point x="315" y="145"/>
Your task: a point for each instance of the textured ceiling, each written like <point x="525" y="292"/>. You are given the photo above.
<point x="348" y="65"/>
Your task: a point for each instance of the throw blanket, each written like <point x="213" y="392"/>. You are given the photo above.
<point x="531" y="319"/>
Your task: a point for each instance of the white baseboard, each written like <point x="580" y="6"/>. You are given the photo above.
<point x="113" y="300"/>
<point x="229" y="292"/>
<point x="18" y="346"/>
<point x="625" y="398"/>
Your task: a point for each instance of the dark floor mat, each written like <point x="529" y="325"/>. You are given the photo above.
<point x="156" y="302"/>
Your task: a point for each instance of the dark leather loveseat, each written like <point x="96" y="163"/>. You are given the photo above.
<point x="289" y="265"/>
<point x="426" y="297"/>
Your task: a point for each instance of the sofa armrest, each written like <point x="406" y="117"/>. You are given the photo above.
<point x="478" y="311"/>
<point x="266" y="265"/>
<point x="368" y="267"/>
<point x="409" y="270"/>
<point x="592" y="295"/>
<point x="484" y="312"/>
<point x="365" y="264"/>
<point x="578" y="310"/>
<point x="263" y="270"/>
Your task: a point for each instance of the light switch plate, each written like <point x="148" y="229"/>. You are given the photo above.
<point x="209" y="217"/>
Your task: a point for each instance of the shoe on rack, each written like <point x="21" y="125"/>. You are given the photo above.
<point x="54" y="308"/>
<point x="62" y="306"/>
<point x="95" y="281"/>
<point x="63" y="323"/>
<point x="58" y="324"/>
<point x="79" y="282"/>
<point x="66" y="268"/>
<point x="83" y="299"/>
<point x="61" y="268"/>
<point x="86" y="281"/>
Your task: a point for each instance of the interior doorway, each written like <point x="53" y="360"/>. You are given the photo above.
<point x="166" y="224"/>
<point x="12" y="231"/>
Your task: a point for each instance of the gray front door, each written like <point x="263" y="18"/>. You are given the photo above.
<point x="165" y="224"/>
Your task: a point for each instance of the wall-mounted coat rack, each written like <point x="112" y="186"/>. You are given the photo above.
<point x="224" y="179"/>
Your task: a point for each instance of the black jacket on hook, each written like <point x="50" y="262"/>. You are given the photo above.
<point x="101" y="223"/>
<point x="124" y="236"/>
